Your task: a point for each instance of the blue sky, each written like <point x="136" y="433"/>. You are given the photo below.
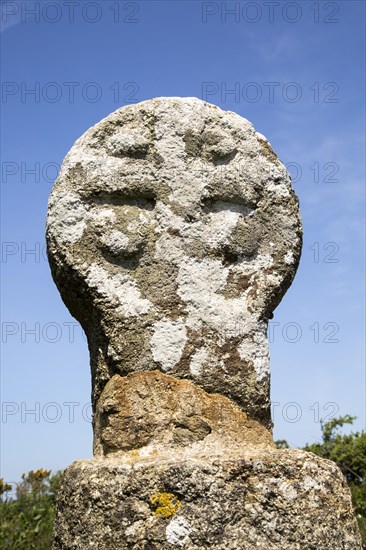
<point x="296" y="71"/>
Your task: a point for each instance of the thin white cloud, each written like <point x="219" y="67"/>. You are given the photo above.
<point x="274" y="47"/>
<point x="10" y="15"/>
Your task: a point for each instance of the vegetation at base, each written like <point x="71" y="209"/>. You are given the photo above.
<point x="349" y="453"/>
<point x="26" y="521"/>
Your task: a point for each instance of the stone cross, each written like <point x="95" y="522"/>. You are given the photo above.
<point x="173" y="233"/>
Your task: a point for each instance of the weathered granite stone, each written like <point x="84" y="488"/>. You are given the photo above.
<point x="151" y="412"/>
<point x="238" y="500"/>
<point x="173" y="232"/>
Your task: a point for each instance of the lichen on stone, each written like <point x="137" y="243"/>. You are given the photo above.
<point x="166" y="504"/>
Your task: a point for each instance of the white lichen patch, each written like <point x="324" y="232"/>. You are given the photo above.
<point x="168" y="341"/>
<point x="116" y="241"/>
<point x="199" y="286"/>
<point x="198" y="361"/>
<point x="310" y="483"/>
<point x="66" y="217"/>
<point x="102" y="218"/>
<point x="278" y="186"/>
<point x="214" y="231"/>
<point x="134" y="528"/>
<point x="261" y="367"/>
<point x="167" y="219"/>
<point x="200" y="279"/>
<point x="255" y="348"/>
<point x="124" y="143"/>
<point x="261" y="262"/>
<point x="169" y="248"/>
<point x="201" y="282"/>
<point x="217" y="231"/>
<point x="287" y="490"/>
<point x="138" y="224"/>
<point x="178" y="531"/>
<point x="289" y="257"/>
<point x="274" y="279"/>
<point x="281" y="486"/>
<point x="119" y="290"/>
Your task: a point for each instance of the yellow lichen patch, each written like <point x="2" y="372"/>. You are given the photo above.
<point x="166" y="504"/>
<point x="134" y="454"/>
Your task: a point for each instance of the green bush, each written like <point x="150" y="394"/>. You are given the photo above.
<point x="27" y="521"/>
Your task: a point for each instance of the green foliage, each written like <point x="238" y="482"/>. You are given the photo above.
<point x="4" y="487"/>
<point x="282" y="444"/>
<point x="349" y="453"/>
<point x="27" y="521"/>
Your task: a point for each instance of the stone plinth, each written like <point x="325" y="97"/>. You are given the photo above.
<point x="240" y="500"/>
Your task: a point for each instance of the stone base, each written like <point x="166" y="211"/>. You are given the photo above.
<point x="262" y="499"/>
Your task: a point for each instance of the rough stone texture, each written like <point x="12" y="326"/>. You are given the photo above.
<point x="173" y="233"/>
<point x="155" y="413"/>
<point x="270" y="500"/>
